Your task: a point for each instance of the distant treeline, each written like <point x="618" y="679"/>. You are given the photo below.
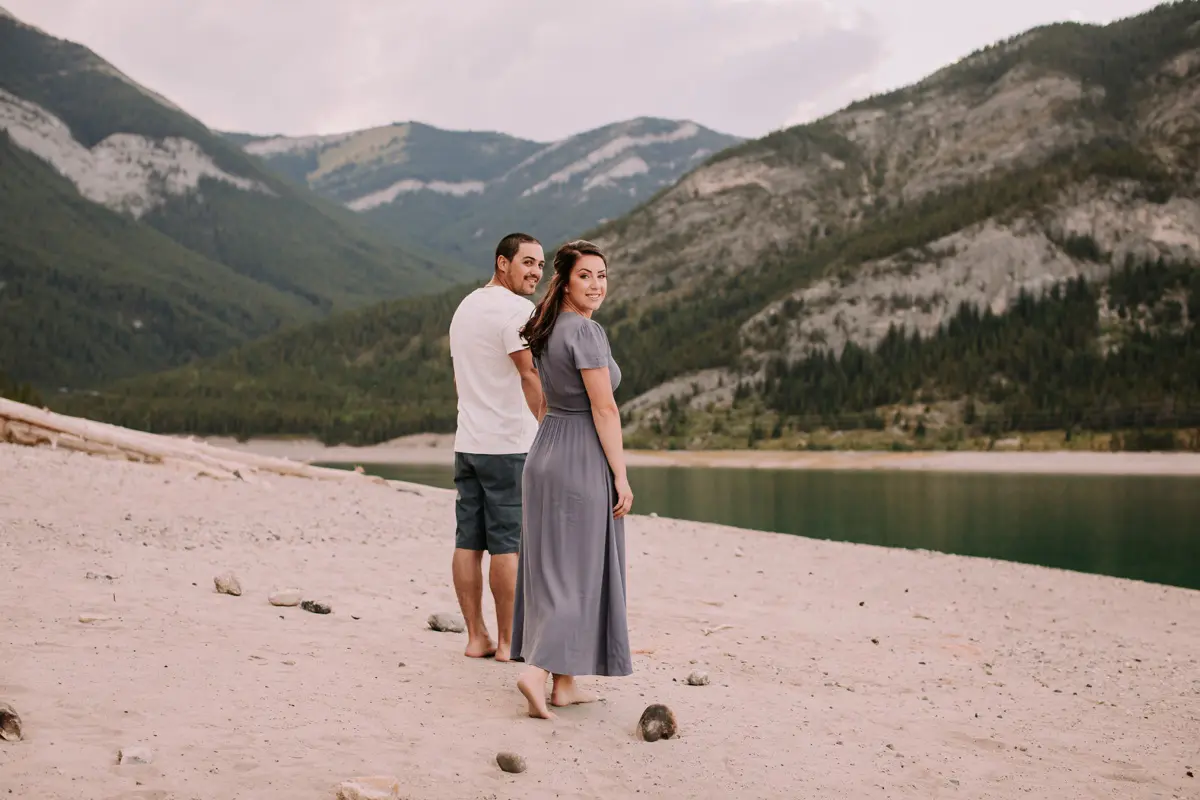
<point x="1048" y="363"/>
<point x="20" y="392"/>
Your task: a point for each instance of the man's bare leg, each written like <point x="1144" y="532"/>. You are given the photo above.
<point x="566" y="692"/>
<point x="502" y="575"/>
<point x="468" y="585"/>
<point x="532" y="684"/>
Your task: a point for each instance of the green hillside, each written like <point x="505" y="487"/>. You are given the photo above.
<point x="1049" y="363"/>
<point x="363" y="376"/>
<point x="203" y="271"/>
<point x="87" y="294"/>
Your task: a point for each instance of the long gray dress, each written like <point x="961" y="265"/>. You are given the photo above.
<point x="569" y="615"/>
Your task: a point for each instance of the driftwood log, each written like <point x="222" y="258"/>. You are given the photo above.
<point x="38" y="427"/>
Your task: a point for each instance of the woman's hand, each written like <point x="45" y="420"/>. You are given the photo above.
<point x="624" y="498"/>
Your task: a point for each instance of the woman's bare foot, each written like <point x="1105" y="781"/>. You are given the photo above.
<point x="532" y="684"/>
<point x="480" y="648"/>
<point x="504" y="652"/>
<point x="567" y="693"/>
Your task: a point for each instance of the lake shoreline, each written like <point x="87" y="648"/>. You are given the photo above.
<point x="437" y="449"/>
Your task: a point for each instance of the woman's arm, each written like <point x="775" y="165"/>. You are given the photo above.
<point x="607" y="417"/>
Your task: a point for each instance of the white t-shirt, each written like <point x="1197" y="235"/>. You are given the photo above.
<point x="493" y="417"/>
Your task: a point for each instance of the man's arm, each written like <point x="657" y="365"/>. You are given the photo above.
<point x="531" y="385"/>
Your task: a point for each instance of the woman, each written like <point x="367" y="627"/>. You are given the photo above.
<point x="569" y="615"/>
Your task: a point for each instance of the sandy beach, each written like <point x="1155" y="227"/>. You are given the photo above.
<point x="438" y="449"/>
<point x="837" y="670"/>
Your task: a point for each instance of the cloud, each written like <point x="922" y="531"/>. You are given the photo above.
<point x="536" y="68"/>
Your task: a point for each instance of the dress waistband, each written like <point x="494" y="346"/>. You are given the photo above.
<point x="562" y="412"/>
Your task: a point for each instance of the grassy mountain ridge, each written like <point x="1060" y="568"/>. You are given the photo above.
<point x="973" y="188"/>
<point x="201" y="269"/>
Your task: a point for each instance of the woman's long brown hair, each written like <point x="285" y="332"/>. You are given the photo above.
<point x="537" y="331"/>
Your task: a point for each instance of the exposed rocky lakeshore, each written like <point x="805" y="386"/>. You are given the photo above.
<point x="766" y="665"/>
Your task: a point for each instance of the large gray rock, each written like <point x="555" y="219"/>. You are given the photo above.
<point x="446" y="623"/>
<point x="227" y="583"/>
<point x="657" y="722"/>
<point x="10" y="723"/>
<point x="376" y="787"/>
<point x="511" y="762"/>
<point x="285" y="597"/>
<point x="317" y="606"/>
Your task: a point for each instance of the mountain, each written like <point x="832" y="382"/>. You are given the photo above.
<point x="1009" y="245"/>
<point x="458" y="192"/>
<point x="132" y="238"/>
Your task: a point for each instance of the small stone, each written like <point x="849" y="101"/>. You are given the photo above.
<point x="874" y="641"/>
<point x="227" y="583"/>
<point x="697" y="677"/>
<point x="376" y="787"/>
<point x="446" y="623"/>
<point x="87" y="619"/>
<point x="316" y="606"/>
<point x="657" y="722"/>
<point x="285" y="597"/>
<point x="10" y="723"/>
<point x="135" y="755"/>
<point x="511" y="762"/>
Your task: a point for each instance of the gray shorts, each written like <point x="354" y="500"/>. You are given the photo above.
<point x="488" y="507"/>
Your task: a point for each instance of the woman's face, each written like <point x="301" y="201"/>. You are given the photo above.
<point x="588" y="284"/>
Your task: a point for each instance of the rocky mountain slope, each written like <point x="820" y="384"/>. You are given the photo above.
<point x="1068" y="151"/>
<point x="458" y="192"/>
<point x="904" y="257"/>
<point x="132" y="238"/>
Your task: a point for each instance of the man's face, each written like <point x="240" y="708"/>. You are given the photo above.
<point x="522" y="274"/>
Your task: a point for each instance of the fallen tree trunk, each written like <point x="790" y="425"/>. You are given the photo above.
<point x="27" y="425"/>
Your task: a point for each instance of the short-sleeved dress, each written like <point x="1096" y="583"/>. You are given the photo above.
<point x="569" y="616"/>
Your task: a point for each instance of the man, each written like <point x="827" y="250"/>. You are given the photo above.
<point x="499" y="398"/>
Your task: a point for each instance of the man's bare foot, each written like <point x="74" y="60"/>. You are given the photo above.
<point x="567" y="693"/>
<point x="504" y="652"/>
<point x="480" y="648"/>
<point x="532" y="684"/>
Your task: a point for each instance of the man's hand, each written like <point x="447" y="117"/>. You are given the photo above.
<point x="531" y="384"/>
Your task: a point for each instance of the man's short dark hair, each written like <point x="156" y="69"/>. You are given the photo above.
<point x="510" y="244"/>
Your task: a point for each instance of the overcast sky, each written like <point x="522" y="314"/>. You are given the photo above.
<point x="541" y="69"/>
